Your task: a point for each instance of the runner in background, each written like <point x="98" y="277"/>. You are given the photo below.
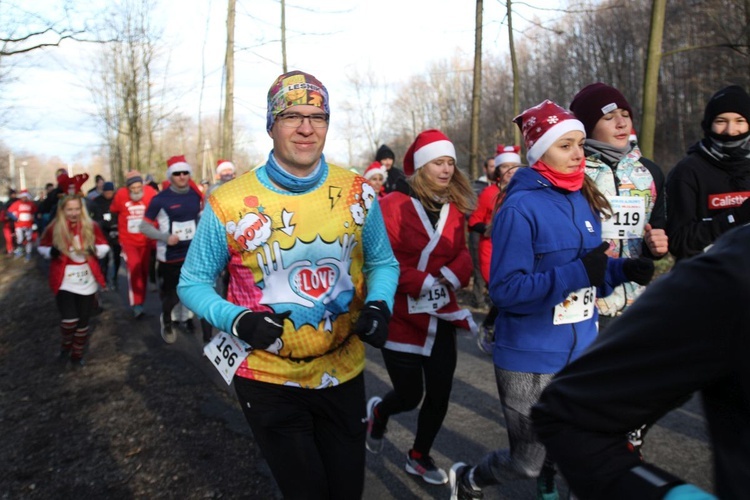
<point x="129" y="206"/>
<point x="507" y="161"/>
<point x="22" y="212"/>
<point x="74" y="243"/>
<point x="376" y="174"/>
<point x="9" y="231"/>
<point x="171" y="219"/>
<point x="102" y="215"/>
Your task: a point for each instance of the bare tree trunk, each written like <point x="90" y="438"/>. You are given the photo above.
<point x="476" y="94"/>
<point x="514" y="67"/>
<point x="651" y="78"/>
<point x="228" y="136"/>
<point x="283" y="36"/>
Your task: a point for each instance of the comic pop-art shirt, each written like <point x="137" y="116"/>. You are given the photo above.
<point x="303" y="253"/>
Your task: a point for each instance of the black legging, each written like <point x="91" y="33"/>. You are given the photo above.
<point x="413" y="375"/>
<point x="170" y="277"/>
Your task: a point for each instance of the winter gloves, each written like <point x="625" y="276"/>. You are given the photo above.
<point x="639" y="270"/>
<point x="742" y="213"/>
<point x="595" y="263"/>
<point x="372" y="324"/>
<point x="259" y="329"/>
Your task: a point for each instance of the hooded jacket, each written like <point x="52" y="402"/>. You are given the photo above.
<point x="539" y="235"/>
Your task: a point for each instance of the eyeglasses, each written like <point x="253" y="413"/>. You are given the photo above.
<point x="294" y="120"/>
<point x="177" y="174"/>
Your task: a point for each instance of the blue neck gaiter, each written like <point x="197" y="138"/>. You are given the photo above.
<point x="293" y="183"/>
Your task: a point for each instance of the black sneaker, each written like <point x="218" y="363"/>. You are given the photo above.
<point x="461" y="489"/>
<point x="189" y="326"/>
<point x="375" y="427"/>
<point x="425" y="467"/>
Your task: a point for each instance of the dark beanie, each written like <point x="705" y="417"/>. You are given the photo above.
<point x="108" y="186"/>
<point x="732" y="99"/>
<point x="596" y="100"/>
<point x="384" y="152"/>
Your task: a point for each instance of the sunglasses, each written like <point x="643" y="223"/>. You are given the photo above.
<point x="177" y="174"/>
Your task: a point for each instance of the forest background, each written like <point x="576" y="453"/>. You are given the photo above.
<point x="140" y="120"/>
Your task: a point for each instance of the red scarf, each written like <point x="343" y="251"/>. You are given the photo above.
<point x="569" y="182"/>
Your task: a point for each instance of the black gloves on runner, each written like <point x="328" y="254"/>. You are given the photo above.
<point x="742" y="213"/>
<point x="259" y="329"/>
<point x="372" y="324"/>
<point x="595" y="263"/>
<point x="54" y="253"/>
<point x="640" y="270"/>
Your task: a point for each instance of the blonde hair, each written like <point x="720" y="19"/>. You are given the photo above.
<point x="459" y="191"/>
<point x="62" y="237"/>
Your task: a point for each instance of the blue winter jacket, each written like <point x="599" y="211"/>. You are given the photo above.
<point x="539" y="235"/>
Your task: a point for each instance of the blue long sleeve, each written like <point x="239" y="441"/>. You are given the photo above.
<point x="207" y="257"/>
<point x="381" y="268"/>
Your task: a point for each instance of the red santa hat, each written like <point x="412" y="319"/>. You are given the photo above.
<point x="542" y="125"/>
<point x="428" y="145"/>
<point x="24" y="194"/>
<point x="633" y="138"/>
<point x="507" y="154"/>
<point x="71" y="185"/>
<point x="376" y="168"/>
<point x="178" y="164"/>
<point x="223" y="165"/>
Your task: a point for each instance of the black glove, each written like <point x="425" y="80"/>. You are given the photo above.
<point x="595" y="263"/>
<point x="259" y="329"/>
<point x="54" y="253"/>
<point x="742" y="213"/>
<point x="640" y="270"/>
<point x="372" y="324"/>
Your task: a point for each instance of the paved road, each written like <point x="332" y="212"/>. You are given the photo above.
<point x="473" y="426"/>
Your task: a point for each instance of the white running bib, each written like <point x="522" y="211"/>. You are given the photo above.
<point x="226" y="352"/>
<point x="628" y="218"/>
<point x="430" y="301"/>
<point x="578" y="306"/>
<point x="184" y="230"/>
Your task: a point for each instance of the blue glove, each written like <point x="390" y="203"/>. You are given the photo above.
<point x="688" y="492"/>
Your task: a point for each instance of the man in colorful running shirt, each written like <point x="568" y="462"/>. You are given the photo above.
<point x="311" y="275"/>
<point x="171" y="219"/>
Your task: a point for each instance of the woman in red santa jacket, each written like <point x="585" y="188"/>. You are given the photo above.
<point x="426" y="226"/>
<point x="75" y="244"/>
